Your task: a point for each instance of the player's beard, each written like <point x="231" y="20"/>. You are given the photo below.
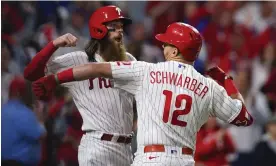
<point x="111" y="50"/>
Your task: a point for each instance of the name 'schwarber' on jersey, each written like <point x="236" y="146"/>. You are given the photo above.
<point x="180" y="80"/>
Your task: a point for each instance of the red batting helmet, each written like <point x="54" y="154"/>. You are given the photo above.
<point x="102" y="15"/>
<point x="184" y="37"/>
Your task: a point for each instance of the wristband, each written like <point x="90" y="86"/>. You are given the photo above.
<point x="65" y="76"/>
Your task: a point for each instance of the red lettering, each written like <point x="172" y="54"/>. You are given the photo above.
<point x="175" y="120"/>
<point x="107" y="84"/>
<point x="173" y="77"/>
<point x="103" y="82"/>
<point x="158" y="80"/>
<point x="91" y="86"/>
<point x="164" y="76"/>
<point x="179" y="83"/>
<point x="152" y="75"/>
<point x="187" y="82"/>
<point x="193" y="84"/>
<point x="123" y="63"/>
<point x="198" y="88"/>
<point x="204" y="91"/>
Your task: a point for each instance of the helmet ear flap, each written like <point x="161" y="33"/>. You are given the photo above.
<point x="98" y="32"/>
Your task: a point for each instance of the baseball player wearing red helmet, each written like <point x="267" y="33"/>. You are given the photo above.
<point x="107" y="112"/>
<point x="173" y="99"/>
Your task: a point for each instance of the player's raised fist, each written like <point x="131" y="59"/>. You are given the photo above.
<point x="67" y="40"/>
<point x="44" y="87"/>
<point x="217" y="74"/>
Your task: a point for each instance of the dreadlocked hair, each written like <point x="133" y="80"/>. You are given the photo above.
<point x="91" y="48"/>
<point x="95" y="45"/>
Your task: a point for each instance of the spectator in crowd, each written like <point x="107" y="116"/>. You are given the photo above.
<point x="6" y="76"/>
<point x="163" y="13"/>
<point x="140" y="48"/>
<point x="262" y="66"/>
<point x="22" y="128"/>
<point x="217" y="34"/>
<point x="270" y="91"/>
<point x="46" y="33"/>
<point x="245" y="139"/>
<point x="54" y="126"/>
<point x="68" y="149"/>
<point x="265" y="151"/>
<point x="75" y="27"/>
<point x="256" y="16"/>
<point x="213" y="145"/>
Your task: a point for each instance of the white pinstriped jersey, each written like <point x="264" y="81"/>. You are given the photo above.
<point x="102" y="107"/>
<point x="173" y="101"/>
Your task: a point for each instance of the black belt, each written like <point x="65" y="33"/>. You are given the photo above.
<point x="108" y="137"/>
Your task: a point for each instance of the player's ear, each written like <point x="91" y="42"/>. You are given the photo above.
<point x="175" y="51"/>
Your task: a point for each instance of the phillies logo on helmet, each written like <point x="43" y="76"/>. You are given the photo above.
<point x="103" y="15"/>
<point x="118" y="10"/>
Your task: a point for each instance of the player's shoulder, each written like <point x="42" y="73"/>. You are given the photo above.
<point x="81" y="54"/>
<point x="130" y="57"/>
<point x="72" y="55"/>
<point x="164" y="65"/>
<point x="154" y="66"/>
<point x="205" y="79"/>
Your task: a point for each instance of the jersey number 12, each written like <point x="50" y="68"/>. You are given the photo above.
<point x="176" y="113"/>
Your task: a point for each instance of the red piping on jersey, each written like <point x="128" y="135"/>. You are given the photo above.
<point x="35" y="69"/>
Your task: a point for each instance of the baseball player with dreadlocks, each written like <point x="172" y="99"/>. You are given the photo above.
<point x="107" y="112"/>
<point x="173" y="99"/>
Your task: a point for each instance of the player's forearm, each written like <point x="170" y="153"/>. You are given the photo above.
<point x="232" y="91"/>
<point x="84" y="72"/>
<point x="92" y="70"/>
<point x="35" y="69"/>
<point x="244" y="118"/>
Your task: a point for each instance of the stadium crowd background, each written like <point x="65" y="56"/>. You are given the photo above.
<point x="240" y="37"/>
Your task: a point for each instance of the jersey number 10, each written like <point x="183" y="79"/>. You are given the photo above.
<point x="176" y="113"/>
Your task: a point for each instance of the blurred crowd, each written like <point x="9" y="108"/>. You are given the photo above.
<point x="239" y="37"/>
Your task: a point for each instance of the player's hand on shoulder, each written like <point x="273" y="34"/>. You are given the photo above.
<point x="67" y="40"/>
